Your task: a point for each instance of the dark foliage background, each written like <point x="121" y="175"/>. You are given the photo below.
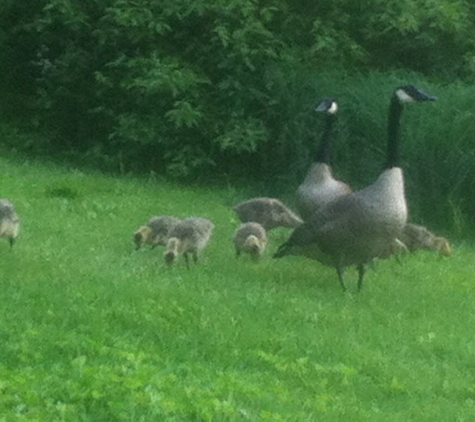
<point x="214" y="88"/>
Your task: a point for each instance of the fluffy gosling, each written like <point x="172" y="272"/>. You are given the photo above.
<point x="250" y="238"/>
<point x="416" y="237"/>
<point x="268" y="212"/>
<point x="9" y="221"/>
<point x="189" y="236"/>
<point x="155" y="231"/>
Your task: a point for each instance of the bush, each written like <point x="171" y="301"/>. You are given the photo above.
<point x="194" y="87"/>
<point x="201" y="88"/>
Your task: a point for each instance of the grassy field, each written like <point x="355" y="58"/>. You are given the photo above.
<point x="93" y="331"/>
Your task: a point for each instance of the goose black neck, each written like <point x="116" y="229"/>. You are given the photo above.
<point x="394" y="129"/>
<point x="324" y="150"/>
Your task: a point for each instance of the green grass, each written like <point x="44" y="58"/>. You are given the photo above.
<point x="94" y="331"/>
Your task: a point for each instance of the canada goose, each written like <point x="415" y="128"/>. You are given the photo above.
<point x="416" y="237"/>
<point x="268" y="212"/>
<point x="358" y="227"/>
<point x="9" y="221"/>
<point x="189" y="236"/>
<point x="250" y="238"/>
<point x="319" y="186"/>
<point x="155" y="231"/>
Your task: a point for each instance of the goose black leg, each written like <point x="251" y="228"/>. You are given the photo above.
<point x="187" y="260"/>
<point x="340" y="278"/>
<point x="361" y="271"/>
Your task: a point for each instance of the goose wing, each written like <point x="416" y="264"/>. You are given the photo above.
<point x="334" y="234"/>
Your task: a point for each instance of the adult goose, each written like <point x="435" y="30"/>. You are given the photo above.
<point x="356" y="228"/>
<point x="319" y="186"/>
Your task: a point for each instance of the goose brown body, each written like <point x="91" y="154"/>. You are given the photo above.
<point x="320" y="187"/>
<point x="353" y="229"/>
<point x="9" y="221"/>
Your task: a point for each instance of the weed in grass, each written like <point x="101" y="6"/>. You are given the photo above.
<point x="65" y="192"/>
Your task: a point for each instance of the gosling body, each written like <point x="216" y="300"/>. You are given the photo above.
<point x="415" y="237"/>
<point x="189" y="237"/>
<point x="250" y="238"/>
<point x="155" y="232"/>
<point x="268" y="212"/>
<point x="9" y="221"/>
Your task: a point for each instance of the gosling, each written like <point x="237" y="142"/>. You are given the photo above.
<point x="189" y="236"/>
<point x="155" y="232"/>
<point x="9" y="221"/>
<point x="417" y="237"/>
<point x="268" y="212"/>
<point x="250" y="238"/>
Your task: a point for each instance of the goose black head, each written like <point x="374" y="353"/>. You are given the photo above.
<point x="410" y="93"/>
<point x="327" y="105"/>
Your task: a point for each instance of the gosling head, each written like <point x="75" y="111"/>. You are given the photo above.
<point x="254" y="246"/>
<point x="442" y="245"/>
<point x="142" y="235"/>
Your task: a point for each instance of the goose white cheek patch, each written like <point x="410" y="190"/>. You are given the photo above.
<point x="403" y="96"/>
<point x="333" y="108"/>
